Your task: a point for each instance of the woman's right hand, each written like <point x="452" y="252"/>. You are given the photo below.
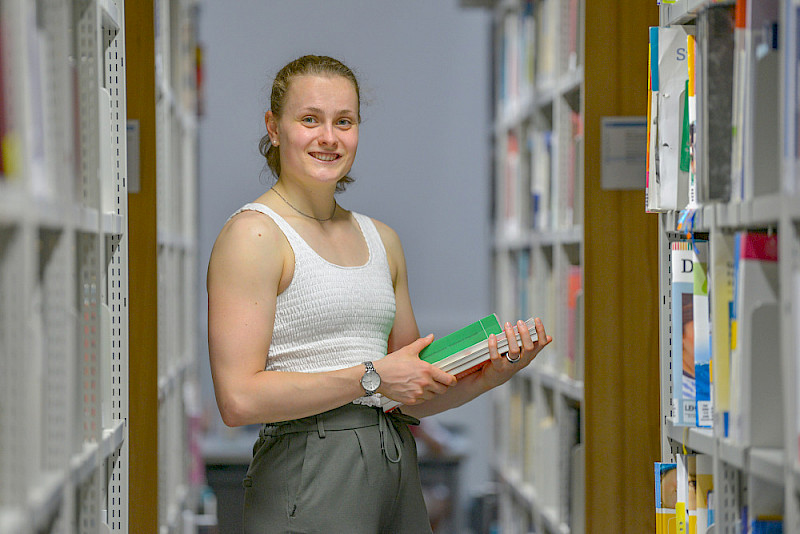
<point x="408" y="379"/>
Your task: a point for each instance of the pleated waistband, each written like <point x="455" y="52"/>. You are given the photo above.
<point x="348" y="417"/>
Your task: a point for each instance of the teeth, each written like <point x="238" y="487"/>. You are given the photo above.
<point x="326" y="157"/>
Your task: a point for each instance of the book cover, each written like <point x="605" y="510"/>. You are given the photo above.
<point x="721" y="299"/>
<point x="673" y="74"/>
<point x="666" y="497"/>
<point x="757" y="420"/>
<point x="796" y="278"/>
<point x="701" y="336"/>
<point x="652" y="181"/>
<point x="540" y="147"/>
<point x="704" y="489"/>
<point x="686" y="505"/>
<point x="690" y="122"/>
<point x="767" y="525"/>
<point x="574" y="292"/>
<point x="464" y="351"/>
<point x="763" y="115"/>
<point x="741" y="68"/>
<point x="461" y="339"/>
<point x="683" y="379"/>
<point x="715" y="100"/>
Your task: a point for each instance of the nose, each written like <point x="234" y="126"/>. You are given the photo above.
<point x="327" y="135"/>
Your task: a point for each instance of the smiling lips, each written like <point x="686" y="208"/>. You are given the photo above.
<point x="325" y="156"/>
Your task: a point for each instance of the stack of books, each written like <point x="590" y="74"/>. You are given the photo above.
<point x="467" y="349"/>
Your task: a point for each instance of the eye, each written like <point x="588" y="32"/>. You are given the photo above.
<point x="344" y="123"/>
<point x="308" y="120"/>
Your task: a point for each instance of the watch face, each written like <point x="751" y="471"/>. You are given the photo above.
<point x="371" y="381"/>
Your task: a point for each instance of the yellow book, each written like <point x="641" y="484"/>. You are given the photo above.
<point x="666" y="497"/>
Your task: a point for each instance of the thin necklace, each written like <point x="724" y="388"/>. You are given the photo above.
<point x="306" y="214"/>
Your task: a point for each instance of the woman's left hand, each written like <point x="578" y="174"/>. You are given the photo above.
<point x="502" y="367"/>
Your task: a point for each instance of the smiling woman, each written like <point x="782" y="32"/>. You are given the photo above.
<point x="305" y="66"/>
<point x="311" y="328"/>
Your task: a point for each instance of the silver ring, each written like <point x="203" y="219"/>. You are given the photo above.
<point x="514" y="360"/>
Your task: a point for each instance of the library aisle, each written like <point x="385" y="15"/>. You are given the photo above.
<point x="642" y="198"/>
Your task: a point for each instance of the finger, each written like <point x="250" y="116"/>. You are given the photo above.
<point x="442" y="377"/>
<point x="494" y="355"/>
<point x="540" y="333"/>
<point x="525" y="336"/>
<point x="421" y="343"/>
<point x="513" y="347"/>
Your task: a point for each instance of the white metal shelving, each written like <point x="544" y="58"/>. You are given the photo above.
<point x="63" y="225"/>
<point x="762" y="479"/>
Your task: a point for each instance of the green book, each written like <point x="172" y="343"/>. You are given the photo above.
<point x="465" y="350"/>
<point x="461" y="339"/>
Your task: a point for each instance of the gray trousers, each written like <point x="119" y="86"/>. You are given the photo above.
<point x="352" y="470"/>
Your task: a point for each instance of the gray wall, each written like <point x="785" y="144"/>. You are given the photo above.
<point x="423" y="157"/>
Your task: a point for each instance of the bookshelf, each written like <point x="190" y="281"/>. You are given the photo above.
<point x="538" y="265"/>
<point x="176" y="199"/>
<point x="163" y="124"/>
<point x="73" y="242"/>
<point x="576" y="418"/>
<point x="64" y="455"/>
<point x="753" y="439"/>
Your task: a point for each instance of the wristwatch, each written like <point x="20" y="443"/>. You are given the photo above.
<point x="371" y="380"/>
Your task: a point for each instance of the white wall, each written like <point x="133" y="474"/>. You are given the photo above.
<point x="423" y="160"/>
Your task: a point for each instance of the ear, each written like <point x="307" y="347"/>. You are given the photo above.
<point x="272" y="124"/>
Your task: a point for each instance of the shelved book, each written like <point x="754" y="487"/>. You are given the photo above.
<point x="666" y="497"/>
<point x="667" y="175"/>
<point x="683" y="383"/>
<point x="704" y="490"/>
<point x="756" y="411"/>
<point x="464" y="351"/>
<point x="701" y="337"/>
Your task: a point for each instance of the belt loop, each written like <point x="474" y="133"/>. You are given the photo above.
<point x="320" y="427"/>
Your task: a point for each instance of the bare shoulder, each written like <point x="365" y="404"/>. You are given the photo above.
<point x="249" y="244"/>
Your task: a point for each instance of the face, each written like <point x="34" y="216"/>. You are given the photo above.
<point x="669" y="489"/>
<point x="318" y="129"/>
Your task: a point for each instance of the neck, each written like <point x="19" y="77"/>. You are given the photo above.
<point x="317" y="203"/>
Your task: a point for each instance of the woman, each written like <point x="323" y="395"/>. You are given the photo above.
<point x="311" y="325"/>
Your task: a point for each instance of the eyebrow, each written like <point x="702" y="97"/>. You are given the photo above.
<point x="322" y="112"/>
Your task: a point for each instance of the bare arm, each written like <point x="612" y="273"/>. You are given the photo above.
<point x="250" y="263"/>
<point x="244" y="273"/>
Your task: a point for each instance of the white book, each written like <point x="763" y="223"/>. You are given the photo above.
<point x="673" y="73"/>
<point x="757" y="420"/>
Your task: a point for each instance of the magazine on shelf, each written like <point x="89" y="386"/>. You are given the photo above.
<point x="465" y="350"/>
<point x="756" y="416"/>
<point x="666" y="497"/>
<point x="686" y="505"/>
<point x="683" y="383"/>
<point x="704" y="490"/>
<point x="673" y="75"/>
<point x="702" y="336"/>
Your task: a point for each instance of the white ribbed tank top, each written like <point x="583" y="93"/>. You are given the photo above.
<point x="331" y="317"/>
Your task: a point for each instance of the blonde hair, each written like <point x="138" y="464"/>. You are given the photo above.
<point x="303" y="66"/>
